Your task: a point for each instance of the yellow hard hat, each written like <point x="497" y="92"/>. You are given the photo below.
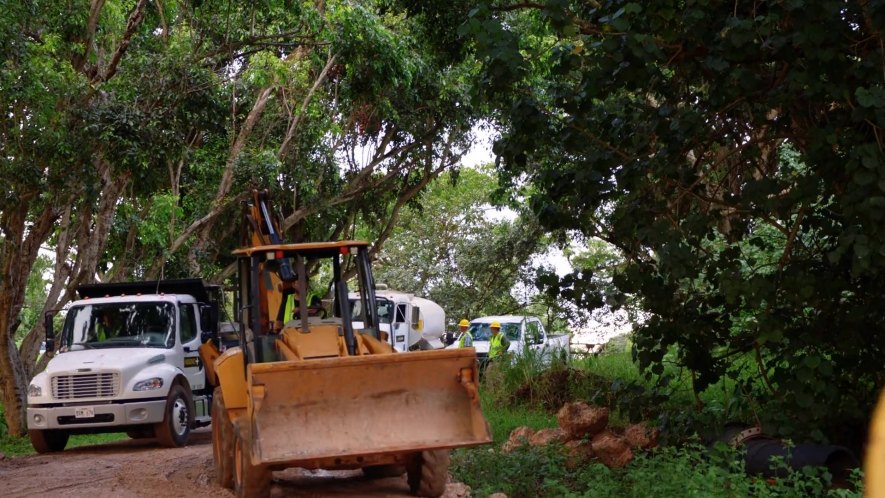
<point x="464" y="323"/>
<point x="495" y="325"/>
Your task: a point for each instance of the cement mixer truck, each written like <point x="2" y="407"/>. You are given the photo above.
<point x="411" y="323"/>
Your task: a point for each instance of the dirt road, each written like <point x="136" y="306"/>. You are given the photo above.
<point x="140" y="468"/>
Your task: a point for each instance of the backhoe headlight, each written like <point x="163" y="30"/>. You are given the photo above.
<point x="35" y="391"/>
<point x="148" y="385"/>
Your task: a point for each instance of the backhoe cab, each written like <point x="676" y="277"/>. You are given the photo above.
<point x="319" y="393"/>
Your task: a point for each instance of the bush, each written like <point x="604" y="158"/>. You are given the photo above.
<point x="692" y="470"/>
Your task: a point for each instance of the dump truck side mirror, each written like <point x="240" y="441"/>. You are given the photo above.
<point x="50" y="334"/>
<point x="208" y="322"/>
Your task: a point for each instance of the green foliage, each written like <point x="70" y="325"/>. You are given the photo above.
<point x="503" y="419"/>
<point x="35" y="296"/>
<point x="448" y="249"/>
<point x="692" y="470"/>
<point x="533" y="377"/>
<point x="733" y="155"/>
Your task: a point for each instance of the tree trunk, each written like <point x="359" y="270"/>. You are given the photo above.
<point x="17" y="257"/>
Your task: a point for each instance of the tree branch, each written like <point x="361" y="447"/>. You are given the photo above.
<point x="135" y="19"/>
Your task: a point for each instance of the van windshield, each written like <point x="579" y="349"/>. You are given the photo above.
<point x="119" y="325"/>
<point x="482" y="331"/>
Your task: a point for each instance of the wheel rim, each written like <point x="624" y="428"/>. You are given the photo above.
<point x="179" y="417"/>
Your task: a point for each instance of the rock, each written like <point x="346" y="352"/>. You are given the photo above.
<point x="577" y="453"/>
<point x="641" y="437"/>
<point x="518" y="437"/>
<point x="611" y="450"/>
<point x="546" y="436"/>
<point x="578" y="419"/>
<point x="497" y="495"/>
<point x="457" y="490"/>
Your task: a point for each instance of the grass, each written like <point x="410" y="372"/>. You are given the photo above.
<point x="615" y="365"/>
<point x="691" y="470"/>
<point x="503" y="420"/>
<point x="21" y="446"/>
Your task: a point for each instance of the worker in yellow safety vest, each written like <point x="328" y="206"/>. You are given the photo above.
<point x="314" y="307"/>
<point x="466" y="338"/>
<point x="498" y="344"/>
<point x="104" y="328"/>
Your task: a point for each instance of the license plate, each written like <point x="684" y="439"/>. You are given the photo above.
<point x="84" y="412"/>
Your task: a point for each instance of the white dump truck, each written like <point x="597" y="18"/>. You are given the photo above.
<point x="411" y="322"/>
<point x="127" y="361"/>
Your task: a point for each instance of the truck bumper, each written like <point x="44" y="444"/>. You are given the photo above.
<point x="63" y="417"/>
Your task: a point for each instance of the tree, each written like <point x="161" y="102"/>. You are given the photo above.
<point x="137" y="127"/>
<point x="734" y="155"/>
<point x="449" y="249"/>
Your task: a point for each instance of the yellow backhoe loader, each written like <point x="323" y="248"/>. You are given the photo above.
<point x="318" y="394"/>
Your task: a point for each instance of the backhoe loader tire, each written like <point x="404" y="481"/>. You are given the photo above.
<point x="428" y="473"/>
<point x="250" y="481"/>
<point x="382" y="471"/>
<point x="48" y="441"/>
<point x="175" y="428"/>
<point x="222" y="442"/>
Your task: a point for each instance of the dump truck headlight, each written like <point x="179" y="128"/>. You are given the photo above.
<point x="148" y="385"/>
<point x="35" y="391"/>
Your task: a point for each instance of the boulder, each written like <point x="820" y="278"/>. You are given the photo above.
<point x="578" y="419"/>
<point x="546" y="436"/>
<point x="641" y="437"/>
<point x="518" y="437"/>
<point x="498" y="495"/>
<point x="457" y="490"/>
<point x="577" y="453"/>
<point x="611" y="450"/>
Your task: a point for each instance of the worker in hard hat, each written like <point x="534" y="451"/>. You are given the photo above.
<point x="498" y="343"/>
<point x="466" y="338"/>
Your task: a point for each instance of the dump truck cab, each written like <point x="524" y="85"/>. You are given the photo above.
<point x="127" y="362"/>
<point x="322" y="393"/>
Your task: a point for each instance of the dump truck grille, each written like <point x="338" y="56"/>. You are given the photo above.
<point x="93" y="385"/>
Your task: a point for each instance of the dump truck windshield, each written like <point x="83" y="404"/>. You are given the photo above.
<point x="119" y="325"/>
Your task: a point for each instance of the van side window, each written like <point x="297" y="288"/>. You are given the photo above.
<point x="416" y="317"/>
<point x="188" y="323"/>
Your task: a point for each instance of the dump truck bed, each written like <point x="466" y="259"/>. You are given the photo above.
<point x="350" y="410"/>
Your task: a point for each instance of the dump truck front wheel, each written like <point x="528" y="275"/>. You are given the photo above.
<point x="428" y="472"/>
<point x="222" y="442"/>
<point x="141" y="433"/>
<point x="175" y="428"/>
<point x="252" y="481"/>
<point x="48" y="441"/>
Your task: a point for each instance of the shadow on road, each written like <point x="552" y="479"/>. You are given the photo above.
<point x="198" y="437"/>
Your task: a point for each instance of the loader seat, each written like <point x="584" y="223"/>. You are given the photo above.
<point x="320" y="342"/>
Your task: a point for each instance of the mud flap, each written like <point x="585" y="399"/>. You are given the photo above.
<point x="348" y="409"/>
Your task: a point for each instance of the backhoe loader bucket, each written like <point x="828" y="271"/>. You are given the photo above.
<point x="351" y="411"/>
